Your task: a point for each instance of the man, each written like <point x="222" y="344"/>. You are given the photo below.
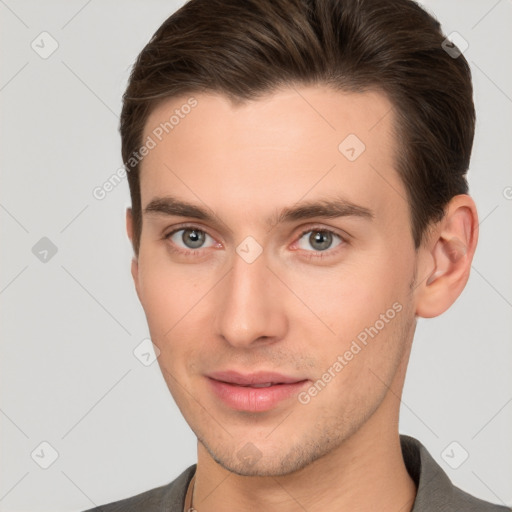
<point x="297" y="174"/>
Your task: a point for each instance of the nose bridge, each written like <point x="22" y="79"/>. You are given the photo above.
<point x="250" y="309"/>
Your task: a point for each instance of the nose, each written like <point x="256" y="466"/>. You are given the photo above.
<point x="251" y="310"/>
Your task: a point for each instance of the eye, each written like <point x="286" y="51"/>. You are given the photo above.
<point x="319" y="240"/>
<point x="189" y="238"/>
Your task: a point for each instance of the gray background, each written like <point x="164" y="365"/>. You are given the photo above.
<point x="70" y="324"/>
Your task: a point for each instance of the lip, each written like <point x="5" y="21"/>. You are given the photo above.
<point x="234" y="389"/>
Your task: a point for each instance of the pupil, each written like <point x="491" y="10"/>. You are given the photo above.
<point x="321" y="240"/>
<point x="193" y="238"/>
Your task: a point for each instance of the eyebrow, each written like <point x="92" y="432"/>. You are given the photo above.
<point x="325" y="208"/>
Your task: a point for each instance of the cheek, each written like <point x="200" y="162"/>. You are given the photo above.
<point x="350" y="297"/>
<point x="355" y="370"/>
<point x="364" y="306"/>
<point x="167" y="292"/>
<point x="176" y="301"/>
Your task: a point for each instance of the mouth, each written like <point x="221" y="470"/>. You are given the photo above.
<point x="255" y="392"/>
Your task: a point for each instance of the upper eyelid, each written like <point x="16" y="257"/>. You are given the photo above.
<point x="187" y="226"/>
<point x="321" y="230"/>
<point x="342" y="235"/>
<point x="302" y="232"/>
<point x="193" y="227"/>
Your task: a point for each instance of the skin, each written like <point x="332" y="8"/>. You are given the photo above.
<point x="286" y="312"/>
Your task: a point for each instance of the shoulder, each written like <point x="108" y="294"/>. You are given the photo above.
<point x="168" y="498"/>
<point x="435" y="491"/>
<point x="472" y="504"/>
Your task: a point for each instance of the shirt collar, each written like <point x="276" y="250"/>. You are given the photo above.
<point x="431" y="481"/>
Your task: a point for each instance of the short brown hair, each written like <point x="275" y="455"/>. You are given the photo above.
<point x="247" y="48"/>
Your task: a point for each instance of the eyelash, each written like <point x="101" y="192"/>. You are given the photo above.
<point x="178" y="250"/>
<point x="319" y="255"/>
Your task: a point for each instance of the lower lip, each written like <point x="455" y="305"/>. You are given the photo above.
<point x="251" y="399"/>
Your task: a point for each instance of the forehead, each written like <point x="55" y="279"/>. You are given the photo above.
<point x="298" y="142"/>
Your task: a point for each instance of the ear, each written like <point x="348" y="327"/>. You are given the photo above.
<point x="135" y="263"/>
<point x="445" y="258"/>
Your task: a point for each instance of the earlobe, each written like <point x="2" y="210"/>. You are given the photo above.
<point x="450" y="252"/>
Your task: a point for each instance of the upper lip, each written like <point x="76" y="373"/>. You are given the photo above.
<point x="248" y="379"/>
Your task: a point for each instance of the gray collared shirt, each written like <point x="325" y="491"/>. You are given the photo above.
<point x="435" y="492"/>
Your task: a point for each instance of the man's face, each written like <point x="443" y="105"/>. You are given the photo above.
<point x="321" y="307"/>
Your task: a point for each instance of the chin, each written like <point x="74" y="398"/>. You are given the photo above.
<point x="273" y="461"/>
<point x="261" y="468"/>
